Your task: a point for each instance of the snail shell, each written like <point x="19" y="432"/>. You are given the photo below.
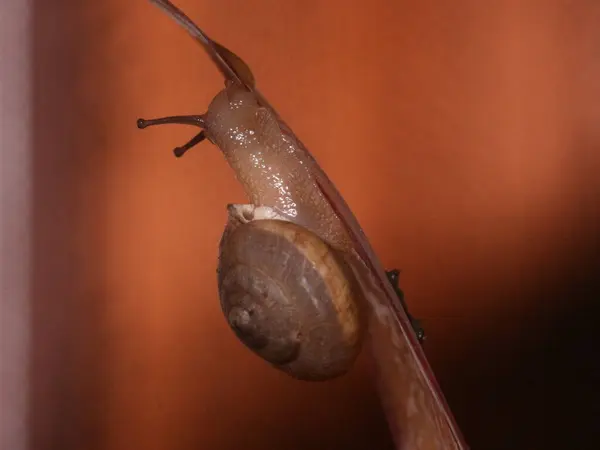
<point x="288" y="296"/>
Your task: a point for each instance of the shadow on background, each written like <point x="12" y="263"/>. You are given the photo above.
<point x="129" y="348"/>
<point x="528" y="381"/>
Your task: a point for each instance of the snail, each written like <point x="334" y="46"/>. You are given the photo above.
<point x="285" y="285"/>
<point x="298" y="281"/>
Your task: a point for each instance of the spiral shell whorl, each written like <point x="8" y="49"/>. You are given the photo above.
<point x="289" y="297"/>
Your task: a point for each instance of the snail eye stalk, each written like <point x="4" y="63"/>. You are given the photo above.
<point x="197" y="120"/>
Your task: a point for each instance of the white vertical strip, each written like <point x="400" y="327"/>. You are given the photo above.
<point x="15" y="216"/>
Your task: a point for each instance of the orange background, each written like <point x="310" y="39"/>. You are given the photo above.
<point x="464" y="135"/>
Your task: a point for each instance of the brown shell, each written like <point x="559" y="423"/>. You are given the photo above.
<point x="290" y="298"/>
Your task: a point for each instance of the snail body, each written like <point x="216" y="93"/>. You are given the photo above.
<point x="285" y="287"/>
<point x="271" y="164"/>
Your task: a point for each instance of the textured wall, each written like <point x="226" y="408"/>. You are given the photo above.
<point x="463" y="135"/>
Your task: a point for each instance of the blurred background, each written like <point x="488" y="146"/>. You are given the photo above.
<point x="464" y="135"/>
